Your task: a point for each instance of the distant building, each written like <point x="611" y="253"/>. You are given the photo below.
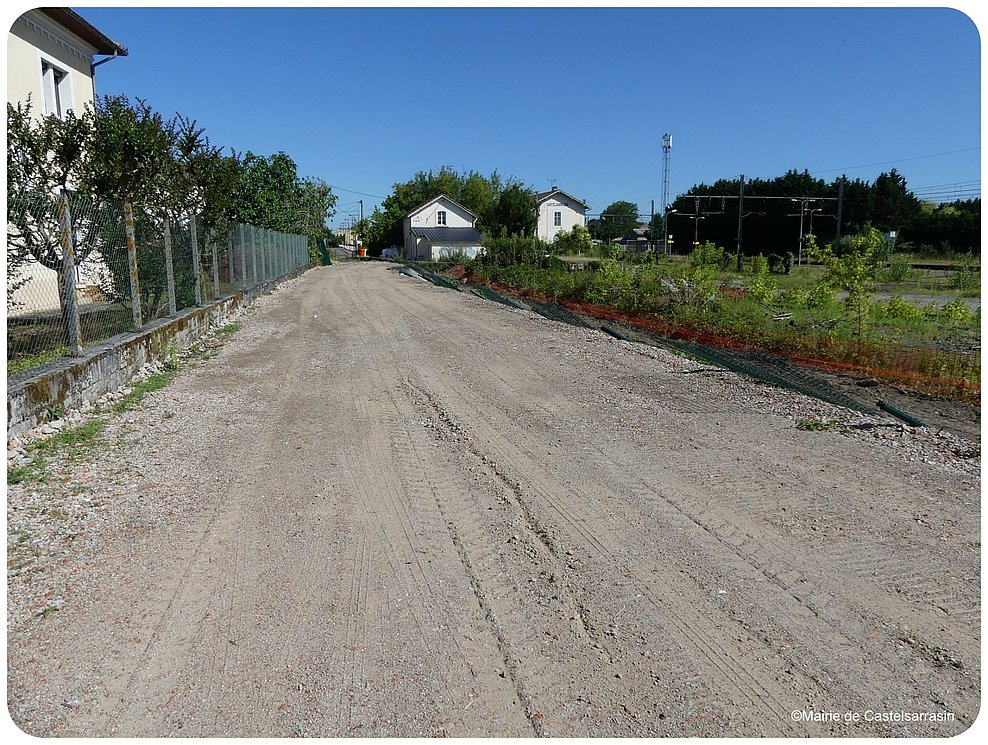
<point x="558" y="211"/>
<point x="636" y="241"/>
<point x="440" y="228"/>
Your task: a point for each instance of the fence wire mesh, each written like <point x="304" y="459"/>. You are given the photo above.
<point x="52" y="313"/>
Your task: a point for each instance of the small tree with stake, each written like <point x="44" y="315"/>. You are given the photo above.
<point x="44" y="158"/>
<point x="852" y="272"/>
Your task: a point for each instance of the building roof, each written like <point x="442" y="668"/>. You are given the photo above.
<point x="427" y="202"/>
<point x="539" y="198"/>
<point x="448" y="235"/>
<point x="75" y="23"/>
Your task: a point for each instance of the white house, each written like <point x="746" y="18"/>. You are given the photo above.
<point x="51" y="60"/>
<point x="440" y="228"/>
<point x="558" y="211"/>
<point x="51" y="57"/>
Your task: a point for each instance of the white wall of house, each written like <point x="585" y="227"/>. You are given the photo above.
<point x="441" y="213"/>
<point x="559" y="212"/>
<point x="49" y="64"/>
<point x="438" y="213"/>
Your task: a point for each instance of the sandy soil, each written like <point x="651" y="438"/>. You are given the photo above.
<point x="390" y="509"/>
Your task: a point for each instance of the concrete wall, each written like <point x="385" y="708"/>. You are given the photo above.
<point x="104" y="367"/>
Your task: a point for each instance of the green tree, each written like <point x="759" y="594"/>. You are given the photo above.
<point x="266" y="190"/>
<point x="575" y="241"/>
<point x="515" y="213"/>
<point x="614" y="222"/>
<point x="130" y="154"/>
<point x="853" y="271"/>
<point x="44" y="156"/>
<point x="891" y="205"/>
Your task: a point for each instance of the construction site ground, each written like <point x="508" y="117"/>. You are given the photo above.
<point x="386" y="508"/>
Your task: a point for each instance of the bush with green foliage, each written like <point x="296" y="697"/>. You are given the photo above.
<point x="897" y="309"/>
<point x="957" y="312"/>
<point x="899" y="269"/>
<point x="707" y="254"/>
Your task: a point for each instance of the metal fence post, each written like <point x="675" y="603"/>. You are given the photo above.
<point x="253" y="253"/>
<point x="263" y="240"/>
<point x="267" y="253"/>
<point x="278" y="252"/>
<point x="170" y="269"/>
<point x="70" y="308"/>
<point x="231" y="261"/>
<point x="135" y="283"/>
<point x="216" y="268"/>
<point x="196" y="269"/>
<point x="243" y="257"/>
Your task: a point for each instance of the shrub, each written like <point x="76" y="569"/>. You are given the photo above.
<point x="760" y="288"/>
<point x="897" y="309"/>
<point x="966" y="278"/>
<point x="793" y="297"/>
<point x="707" y="254"/>
<point x="899" y="269"/>
<point x="956" y="311"/>
<point x="821" y="295"/>
<point x="758" y="265"/>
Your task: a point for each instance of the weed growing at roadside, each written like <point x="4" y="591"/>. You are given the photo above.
<point x="67" y="444"/>
<point x="25" y="363"/>
<point x="140" y="390"/>
<point x="227" y="331"/>
<point x="822" y="425"/>
<point x="18" y="474"/>
<point x="70" y="441"/>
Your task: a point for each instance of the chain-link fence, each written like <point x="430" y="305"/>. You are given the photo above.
<point x="75" y="278"/>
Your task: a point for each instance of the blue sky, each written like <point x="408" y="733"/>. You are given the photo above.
<point x="365" y="97"/>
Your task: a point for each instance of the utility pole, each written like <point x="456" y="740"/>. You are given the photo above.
<point x="740" y="220"/>
<point x="361" y="224"/>
<point x="651" y="225"/>
<point x="840" y="211"/>
<point x="666" y="148"/>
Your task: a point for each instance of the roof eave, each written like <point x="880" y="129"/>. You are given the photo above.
<point x="76" y="24"/>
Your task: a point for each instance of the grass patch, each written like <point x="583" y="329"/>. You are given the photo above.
<point x="26" y="363"/>
<point x="71" y="441"/>
<point x="18" y="474"/>
<point x="67" y="444"/>
<point x="821" y="425"/>
<point x="155" y="383"/>
<point x="227" y="331"/>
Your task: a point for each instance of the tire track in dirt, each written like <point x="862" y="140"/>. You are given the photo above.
<point x="398" y="497"/>
<point x="694" y="632"/>
<point x="745" y="544"/>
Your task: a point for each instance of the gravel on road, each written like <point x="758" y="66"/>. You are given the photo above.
<point x="384" y="508"/>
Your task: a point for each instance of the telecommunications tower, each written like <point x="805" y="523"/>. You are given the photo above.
<point x="666" y="148"/>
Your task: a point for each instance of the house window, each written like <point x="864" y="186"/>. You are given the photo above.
<point x="441" y="217"/>
<point x="55" y="89"/>
<point x="557" y="218"/>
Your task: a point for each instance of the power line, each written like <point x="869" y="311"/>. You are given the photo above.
<point x="351" y="191"/>
<point x="899" y="160"/>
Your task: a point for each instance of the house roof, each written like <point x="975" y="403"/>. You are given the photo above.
<point x="75" y="23"/>
<point x="539" y="198"/>
<point x="448" y="235"/>
<point x="427" y="202"/>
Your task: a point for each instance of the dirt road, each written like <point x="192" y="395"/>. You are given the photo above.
<point x="386" y="508"/>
